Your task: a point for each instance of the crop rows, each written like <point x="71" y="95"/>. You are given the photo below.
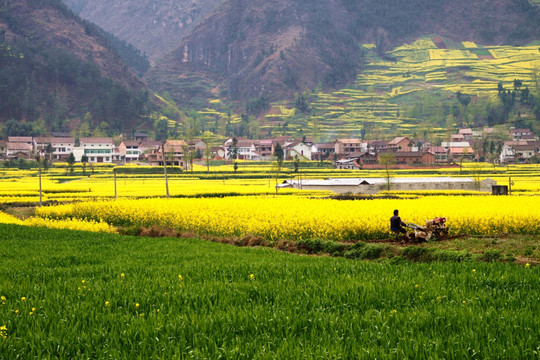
<point x="294" y="218"/>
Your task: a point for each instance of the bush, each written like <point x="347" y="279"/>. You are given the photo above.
<point x="414" y="253"/>
<point x="492" y="255"/>
<point x="365" y="252"/>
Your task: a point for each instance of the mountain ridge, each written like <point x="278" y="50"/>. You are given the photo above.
<point x="56" y="68"/>
<point x="251" y="49"/>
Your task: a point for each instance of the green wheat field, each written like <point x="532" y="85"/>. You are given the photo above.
<point x="78" y="295"/>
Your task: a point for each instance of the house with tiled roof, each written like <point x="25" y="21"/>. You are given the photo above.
<point x="401" y="143"/>
<point x="129" y="150"/>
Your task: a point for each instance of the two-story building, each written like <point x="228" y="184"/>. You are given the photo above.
<point x="60" y="147"/>
<point x="130" y="151"/>
<point x="323" y="151"/>
<point x="345" y="147"/>
<point x="97" y="149"/>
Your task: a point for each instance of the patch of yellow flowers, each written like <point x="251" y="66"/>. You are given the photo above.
<point x="71" y="224"/>
<point x="298" y="218"/>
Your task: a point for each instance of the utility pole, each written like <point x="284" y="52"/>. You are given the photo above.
<point x="115" y="193"/>
<point x="165" y="168"/>
<point x="38" y="158"/>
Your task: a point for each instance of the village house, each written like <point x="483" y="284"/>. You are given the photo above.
<point x="28" y="140"/>
<point x="467" y="134"/>
<point x="519" y="151"/>
<point x="376" y="146"/>
<point x="147" y="147"/>
<point x="413" y="157"/>
<point x="345" y="147"/>
<point x="61" y="147"/>
<point x="174" y="154"/>
<point x="518" y="134"/>
<point x="441" y="154"/>
<point x="457" y="138"/>
<point x="401" y="144"/>
<point x="347" y="164"/>
<point x="97" y="149"/>
<point x="322" y="151"/>
<point x="247" y="150"/>
<point x="457" y="154"/>
<point x="264" y="149"/>
<point x="129" y="150"/>
<point x="18" y="150"/>
<point x="300" y="149"/>
<point x="19" y="147"/>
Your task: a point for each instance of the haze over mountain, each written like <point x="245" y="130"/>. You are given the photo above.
<point x="154" y="26"/>
<point x="253" y="48"/>
<point x="54" y="67"/>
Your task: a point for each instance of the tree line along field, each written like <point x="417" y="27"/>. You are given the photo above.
<point x="86" y="295"/>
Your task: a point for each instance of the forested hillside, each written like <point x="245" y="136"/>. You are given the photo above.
<point x="56" y="70"/>
<point x="270" y="50"/>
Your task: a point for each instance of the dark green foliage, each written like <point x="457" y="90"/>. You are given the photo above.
<point x="38" y="80"/>
<point x="278" y="153"/>
<point x="365" y="251"/>
<point x="53" y="84"/>
<point x="492" y="255"/>
<point x="255" y="106"/>
<point x="414" y="252"/>
<point x="318" y="246"/>
<point x="130" y="55"/>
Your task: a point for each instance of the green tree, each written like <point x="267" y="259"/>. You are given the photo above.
<point x="387" y="159"/>
<point x="208" y="139"/>
<point x="162" y="129"/>
<point x="233" y="149"/>
<point x="279" y="154"/>
<point x="71" y="163"/>
<point x="84" y="160"/>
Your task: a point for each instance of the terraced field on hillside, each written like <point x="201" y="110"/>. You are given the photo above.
<point x="380" y="91"/>
<point x="381" y="99"/>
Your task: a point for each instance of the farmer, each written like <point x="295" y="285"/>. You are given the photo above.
<point x="396" y="225"/>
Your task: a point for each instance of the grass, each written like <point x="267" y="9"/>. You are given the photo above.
<point x="247" y="303"/>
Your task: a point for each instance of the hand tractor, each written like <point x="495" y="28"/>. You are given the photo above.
<point x="434" y="229"/>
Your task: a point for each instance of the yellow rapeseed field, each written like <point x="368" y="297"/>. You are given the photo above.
<point x="71" y="224"/>
<point x="298" y="218"/>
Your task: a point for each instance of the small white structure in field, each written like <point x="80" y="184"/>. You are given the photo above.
<point x="374" y="185"/>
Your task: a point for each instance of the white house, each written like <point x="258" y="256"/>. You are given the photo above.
<point x="98" y="150"/>
<point x="61" y="146"/>
<point x="303" y="151"/>
<point x="246" y="150"/>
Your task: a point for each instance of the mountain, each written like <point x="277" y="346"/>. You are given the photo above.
<point x="55" y="66"/>
<point x="268" y="50"/>
<point x="153" y="26"/>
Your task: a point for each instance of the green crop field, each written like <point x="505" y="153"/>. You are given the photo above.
<point x="68" y="294"/>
